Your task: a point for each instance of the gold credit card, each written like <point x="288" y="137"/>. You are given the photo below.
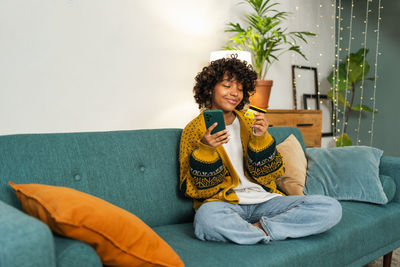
<point x="253" y="110"/>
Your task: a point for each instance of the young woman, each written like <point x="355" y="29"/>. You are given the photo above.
<point x="230" y="175"/>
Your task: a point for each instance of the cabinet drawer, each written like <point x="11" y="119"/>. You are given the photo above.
<point x="307" y="120"/>
<point x="279" y="120"/>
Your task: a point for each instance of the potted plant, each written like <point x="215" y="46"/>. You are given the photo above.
<point x="266" y="40"/>
<point x="350" y="74"/>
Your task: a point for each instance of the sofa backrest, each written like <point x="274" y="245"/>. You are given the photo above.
<point x="136" y="170"/>
<point x="281" y="133"/>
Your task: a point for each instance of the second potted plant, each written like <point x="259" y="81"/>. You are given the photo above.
<point x="266" y="40"/>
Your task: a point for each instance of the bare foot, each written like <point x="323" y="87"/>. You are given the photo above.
<point x="258" y="225"/>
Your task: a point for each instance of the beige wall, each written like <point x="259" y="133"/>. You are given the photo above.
<point x="99" y="65"/>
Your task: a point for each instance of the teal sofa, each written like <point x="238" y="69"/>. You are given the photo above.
<point x="138" y="171"/>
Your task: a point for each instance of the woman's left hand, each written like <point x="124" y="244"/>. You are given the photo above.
<point x="260" y="124"/>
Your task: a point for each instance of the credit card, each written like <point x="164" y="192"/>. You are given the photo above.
<point x="253" y="110"/>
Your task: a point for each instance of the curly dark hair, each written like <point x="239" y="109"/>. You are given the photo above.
<point x="214" y="73"/>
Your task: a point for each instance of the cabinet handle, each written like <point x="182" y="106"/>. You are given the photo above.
<point x="304" y="124"/>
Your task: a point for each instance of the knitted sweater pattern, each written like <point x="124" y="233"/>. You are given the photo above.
<point x="206" y="173"/>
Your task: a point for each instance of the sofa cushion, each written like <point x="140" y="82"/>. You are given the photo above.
<point x="24" y="240"/>
<point x="294" y="179"/>
<point x="70" y="252"/>
<point x="374" y="226"/>
<point x="119" y="237"/>
<point x="345" y="173"/>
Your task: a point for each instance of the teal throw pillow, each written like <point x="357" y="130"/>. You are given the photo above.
<point x="345" y="173"/>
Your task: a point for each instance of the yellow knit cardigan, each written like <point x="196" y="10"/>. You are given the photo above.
<point x="206" y="173"/>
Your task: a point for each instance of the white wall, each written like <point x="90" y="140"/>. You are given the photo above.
<point x="99" y="65"/>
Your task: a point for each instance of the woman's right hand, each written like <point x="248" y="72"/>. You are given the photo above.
<point x="217" y="139"/>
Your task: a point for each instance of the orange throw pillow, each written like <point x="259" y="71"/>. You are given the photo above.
<point x="294" y="179"/>
<point x="119" y="237"/>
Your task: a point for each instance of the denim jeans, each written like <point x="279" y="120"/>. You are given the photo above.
<point x="281" y="217"/>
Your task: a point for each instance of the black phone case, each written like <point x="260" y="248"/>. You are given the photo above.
<point x="212" y="116"/>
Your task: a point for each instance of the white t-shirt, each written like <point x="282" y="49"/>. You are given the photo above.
<point x="247" y="191"/>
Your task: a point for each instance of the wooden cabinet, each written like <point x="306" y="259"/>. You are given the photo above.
<point x="308" y="121"/>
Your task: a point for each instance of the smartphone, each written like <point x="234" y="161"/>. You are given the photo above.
<point x="213" y="116"/>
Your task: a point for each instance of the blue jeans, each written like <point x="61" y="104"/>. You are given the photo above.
<point x="281" y="217"/>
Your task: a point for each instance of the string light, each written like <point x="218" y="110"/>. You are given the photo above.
<point x="363" y="72"/>
<point x="348" y="67"/>
<point x="376" y="72"/>
<point x="321" y="54"/>
<point x="335" y="92"/>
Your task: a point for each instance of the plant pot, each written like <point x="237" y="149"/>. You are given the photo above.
<point x="261" y="97"/>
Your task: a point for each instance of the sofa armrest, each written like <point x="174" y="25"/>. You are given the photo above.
<point x="390" y="166"/>
<point x="24" y="240"/>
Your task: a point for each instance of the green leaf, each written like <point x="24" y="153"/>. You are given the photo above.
<point x="296" y="49"/>
<point x="280" y="15"/>
<point x="301" y="35"/>
<point x="357" y="71"/>
<point x="343" y="140"/>
<point x="234" y="28"/>
<point x="360" y="53"/>
<point x="340" y="98"/>
<point x="357" y="67"/>
<point x="341" y="83"/>
<point x="308" y="33"/>
<point x="363" y="108"/>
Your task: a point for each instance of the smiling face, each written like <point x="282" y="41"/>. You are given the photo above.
<point x="207" y="89"/>
<point x="227" y="94"/>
